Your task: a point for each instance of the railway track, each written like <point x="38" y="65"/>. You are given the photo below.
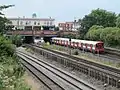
<point x="112" y="52"/>
<point x="63" y="80"/>
<point x="115" y="70"/>
<point x="106" y="74"/>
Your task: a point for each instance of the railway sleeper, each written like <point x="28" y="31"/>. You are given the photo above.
<point x="86" y="70"/>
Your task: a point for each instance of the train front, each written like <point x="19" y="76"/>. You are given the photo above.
<point x="100" y="47"/>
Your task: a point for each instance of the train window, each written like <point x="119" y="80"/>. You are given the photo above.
<point x="100" y="45"/>
<point x="82" y="44"/>
<point x="91" y="45"/>
<point x="97" y="45"/>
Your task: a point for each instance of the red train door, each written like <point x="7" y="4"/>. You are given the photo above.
<point x="77" y="44"/>
<point x="91" y="47"/>
<point x="67" y="43"/>
<point x="81" y="45"/>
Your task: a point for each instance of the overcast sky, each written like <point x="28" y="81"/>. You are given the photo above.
<point x="61" y="10"/>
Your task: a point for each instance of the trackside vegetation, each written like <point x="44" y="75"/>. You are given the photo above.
<point x="11" y="71"/>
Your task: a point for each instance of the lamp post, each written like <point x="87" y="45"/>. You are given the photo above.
<point x="118" y="84"/>
<point x="70" y="45"/>
<point x="74" y="23"/>
<point x="105" y="85"/>
<point x="18" y="22"/>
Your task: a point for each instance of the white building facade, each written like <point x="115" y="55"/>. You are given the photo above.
<point x="76" y="26"/>
<point x="20" y="23"/>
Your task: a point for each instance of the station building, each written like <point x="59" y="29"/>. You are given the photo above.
<point x="32" y="23"/>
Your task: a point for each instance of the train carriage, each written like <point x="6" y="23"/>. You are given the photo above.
<point x="93" y="46"/>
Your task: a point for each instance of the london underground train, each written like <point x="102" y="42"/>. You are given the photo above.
<point x="92" y="46"/>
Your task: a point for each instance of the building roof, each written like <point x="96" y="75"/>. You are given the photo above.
<point x="41" y="19"/>
<point x="69" y="22"/>
<point x="66" y="23"/>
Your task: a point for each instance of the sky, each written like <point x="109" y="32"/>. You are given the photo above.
<point x="60" y="10"/>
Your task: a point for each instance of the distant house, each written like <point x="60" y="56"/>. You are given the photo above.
<point x="69" y="26"/>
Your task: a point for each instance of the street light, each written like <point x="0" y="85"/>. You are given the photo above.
<point x="74" y="23"/>
<point x="70" y="45"/>
<point x="118" y="84"/>
<point x="105" y="85"/>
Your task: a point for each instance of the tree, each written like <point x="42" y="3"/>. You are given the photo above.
<point x="104" y="18"/>
<point x="118" y="22"/>
<point x="3" y="20"/>
<point x="56" y="28"/>
<point x="109" y="35"/>
<point x="98" y="17"/>
<point x="17" y="40"/>
<point x="94" y="32"/>
<point x="6" y="46"/>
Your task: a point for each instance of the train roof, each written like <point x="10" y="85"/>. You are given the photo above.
<point x="61" y="38"/>
<point x="77" y="40"/>
<point x="85" y="41"/>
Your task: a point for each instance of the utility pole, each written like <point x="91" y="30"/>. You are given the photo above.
<point x="18" y="22"/>
<point x="70" y="45"/>
<point x="74" y="22"/>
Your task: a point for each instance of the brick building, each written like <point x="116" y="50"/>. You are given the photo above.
<point x="67" y="26"/>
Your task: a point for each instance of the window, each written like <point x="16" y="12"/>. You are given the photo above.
<point x="17" y="22"/>
<point x="66" y="25"/>
<point x="26" y="23"/>
<point x="47" y="23"/>
<point x="21" y="23"/>
<point x="38" y="23"/>
<point x="51" y="23"/>
<point x="34" y="23"/>
<point x="29" y="22"/>
<point x="59" y="24"/>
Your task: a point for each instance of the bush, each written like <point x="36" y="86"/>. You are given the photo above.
<point x="17" y="40"/>
<point x="76" y="53"/>
<point x="110" y="35"/>
<point x="6" y="47"/>
<point x="11" y="71"/>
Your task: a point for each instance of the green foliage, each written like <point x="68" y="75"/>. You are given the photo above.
<point x="118" y="65"/>
<point x="5" y="7"/>
<point x="96" y="27"/>
<point x="97" y="17"/>
<point x="94" y="33"/>
<point x="56" y="28"/>
<point x="11" y="70"/>
<point x="17" y="40"/>
<point x="118" y="22"/>
<point x="6" y="47"/>
<point x="9" y="80"/>
<point x="3" y="20"/>
<point x="109" y="35"/>
<point x="76" y="53"/>
<point x="104" y="18"/>
<point x="69" y="36"/>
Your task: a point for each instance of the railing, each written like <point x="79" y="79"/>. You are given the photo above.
<point x="36" y="32"/>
